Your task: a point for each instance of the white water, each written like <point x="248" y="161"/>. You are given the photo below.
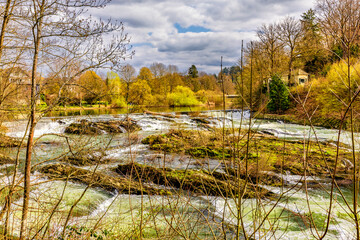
<point x="151" y="125"/>
<point x="125" y="209"/>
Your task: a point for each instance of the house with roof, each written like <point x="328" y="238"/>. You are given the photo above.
<point x="17" y="82"/>
<point x="298" y="77"/>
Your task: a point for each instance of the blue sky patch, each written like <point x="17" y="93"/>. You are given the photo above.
<point x="192" y="28"/>
<point x="142" y="44"/>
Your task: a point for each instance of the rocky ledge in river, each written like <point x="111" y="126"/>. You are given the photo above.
<point x="197" y="181"/>
<point x="62" y="171"/>
<point x="6" y="141"/>
<point x="101" y="127"/>
<point x="6" y="159"/>
<point x="81" y="159"/>
<point x="135" y="178"/>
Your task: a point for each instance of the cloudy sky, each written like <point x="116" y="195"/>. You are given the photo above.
<point x="186" y="32"/>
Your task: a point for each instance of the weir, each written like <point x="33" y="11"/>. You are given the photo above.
<point x="203" y="212"/>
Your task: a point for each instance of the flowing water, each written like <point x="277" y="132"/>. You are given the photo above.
<point x="191" y="217"/>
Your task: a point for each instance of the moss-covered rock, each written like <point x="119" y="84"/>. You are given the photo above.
<point x="111" y="127"/>
<point x="6" y="141"/>
<point x="196" y="181"/>
<point x="201" y="120"/>
<point x="198" y="144"/>
<point x="6" y="159"/>
<point x="98" y="179"/>
<point x="208" y="152"/>
<point x="262" y="154"/>
<point x="81" y="159"/>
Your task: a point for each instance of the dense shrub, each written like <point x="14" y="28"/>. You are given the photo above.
<point x="118" y="102"/>
<point x="182" y="96"/>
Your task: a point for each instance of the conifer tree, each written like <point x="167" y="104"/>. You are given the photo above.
<point x="279" y="96"/>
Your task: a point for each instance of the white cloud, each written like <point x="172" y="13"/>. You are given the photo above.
<point x="150" y="23"/>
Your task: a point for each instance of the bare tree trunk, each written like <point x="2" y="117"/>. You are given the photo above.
<point x="240" y="221"/>
<point x="290" y="68"/>
<point x="37" y="30"/>
<point x="6" y="19"/>
<point x="355" y="177"/>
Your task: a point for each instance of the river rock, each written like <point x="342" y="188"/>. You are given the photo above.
<point x="5" y="159"/>
<point x="199" y="182"/>
<point x="80" y="159"/>
<point x="6" y="141"/>
<point x="201" y="120"/>
<point x="110" y="127"/>
<point x="61" y="171"/>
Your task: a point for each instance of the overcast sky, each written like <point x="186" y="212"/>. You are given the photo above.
<point x="186" y="32"/>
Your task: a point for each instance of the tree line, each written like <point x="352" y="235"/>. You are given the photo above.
<point x="324" y="42"/>
<point x="156" y="85"/>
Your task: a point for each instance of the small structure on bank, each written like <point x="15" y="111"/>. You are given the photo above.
<point x="16" y="83"/>
<point x="298" y="77"/>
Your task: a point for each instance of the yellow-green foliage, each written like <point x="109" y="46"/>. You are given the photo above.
<point x="182" y="96"/>
<point x="207" y="96"/>
<point x="116" y="90"/>
<point x="202" y="95"/>
<point x="159" y="100"/>
<point x="333" y="91"/>
<point x="140" y="93"/>
<point x="92" y="86"/>
<point x="118" y="102"/>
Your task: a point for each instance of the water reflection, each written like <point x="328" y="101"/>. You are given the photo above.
<point x="135" y="109"/>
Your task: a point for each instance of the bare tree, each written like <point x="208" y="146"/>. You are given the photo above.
<point x="290" y="34"/>
<point x="158" y="69"/>
<point x="12" y="47"/>
<point x="340" y="24"/>
<point x="270" y="42"/>
<point x="271" y="46"/>
<point x="127" y="73"/>
<point x="172" y="69"/>
<point x="62" y="35"/>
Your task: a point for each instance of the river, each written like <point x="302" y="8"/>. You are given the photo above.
<point x="180" y="216"/>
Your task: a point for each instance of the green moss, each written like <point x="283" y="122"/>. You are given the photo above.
<point x="9" y="170"/>
<point x="319" y="220"/>
<point x="84" y="159"/>
<point x="203" y="152"/>
<point x="98" y="179"/>
<point x="91" y="128"/>
<point x="266" y="152"/>
<point x="196" y="181"/>
<point x="75" y="232"/>
<point x="6" y="141"/>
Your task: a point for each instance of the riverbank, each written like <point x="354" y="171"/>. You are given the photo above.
<point x="331" y="123"/>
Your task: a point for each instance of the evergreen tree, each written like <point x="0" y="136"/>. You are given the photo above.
<point x="193" y="72"/>
<point x="279" y="95"/>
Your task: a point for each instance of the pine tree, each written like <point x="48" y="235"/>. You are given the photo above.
<point x="279" y="95"/>
<point x="193" y="72"/>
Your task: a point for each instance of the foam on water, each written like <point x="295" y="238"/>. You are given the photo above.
<point x="219" y="206"/>
<point x="44" y="126"/>
<point x="118" y="153"/>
